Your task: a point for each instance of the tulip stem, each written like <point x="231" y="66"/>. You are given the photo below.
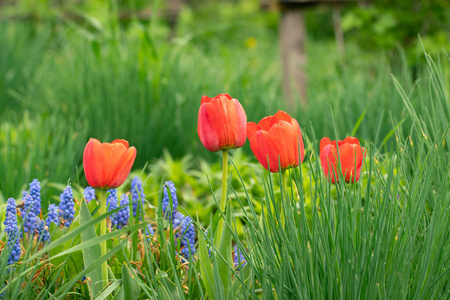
<point x="223" y="199"/>
<point x="103" y="232"/>
<point x="284" y="189"/>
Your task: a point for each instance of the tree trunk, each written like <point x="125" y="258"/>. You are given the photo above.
<point x="292" y="47"/>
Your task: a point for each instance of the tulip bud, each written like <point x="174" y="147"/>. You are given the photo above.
<point x="221" y="123"/>
<point x="107" y="165"/>
<point x="351" y="155"/>
<point x="276" y="140"/>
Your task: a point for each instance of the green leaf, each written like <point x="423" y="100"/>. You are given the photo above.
<point x="225" y="260"/>
<point x="69" y="284"/>
<point x="358" y="122"/>
<point x="169" y="288"/>
<point x="131" y="289"/>
<point x="206" y="270"/>
<point x="243" y="278"/>
<point x="90" y="254"/>
<point x="109" y="290"/>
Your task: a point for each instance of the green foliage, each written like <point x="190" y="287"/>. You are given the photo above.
<point x="38" y="147"/>
<point x="385" y="236"/>
<point x="100" y="80"/>
<point x="386" y="25"/>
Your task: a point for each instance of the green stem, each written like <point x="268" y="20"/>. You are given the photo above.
<point x="103" y="232"/>
<point x="223" y="199"/>
<point x="283" y="190"/>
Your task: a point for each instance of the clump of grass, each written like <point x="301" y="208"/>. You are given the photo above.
<point x="131" y="81"/>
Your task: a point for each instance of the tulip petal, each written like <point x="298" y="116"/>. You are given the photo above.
<point x="205" y="99"/>
<point x="351" y="140"/>
<point x="123" y="167"/>
<point x="324" y="142"/>
<point x="298" y="139"/>
<point x="266" y="123"/>
<point x="240" y="131"/>
<point x="351" y="157"/>
<point x="284" y="136"/>
<point x="252" y="128"/>
<point x="328" y="158"/>
<point x="207" y="129"/>
<point x="224" y="125"/>
<point x="236" y="123"/>
<point x="281" y="116"/>
<point x="93" y="162"/>
<point x="110" y="154"/>
<point x="121" y="141"/>
<point x="265" y="149"/>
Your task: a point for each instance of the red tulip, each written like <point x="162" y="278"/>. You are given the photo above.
<point x="276" y="137"/>
<point x="107" y="165"/>
<point x="221" y="123"/>
<point x="351" y="155"/>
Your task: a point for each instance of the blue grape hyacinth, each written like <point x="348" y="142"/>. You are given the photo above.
<point x="112" y="199"/>
<point x="185" y="233"/>
<point x="177" y="219"/>
<point x="150" y="231"/>
<point x="14" y="244"/>
<point x="29" y="215"/>
<point x="10" y="209"/>
<point x="238" y="258"/>
<point x="35" y="193"/>
<point x="52" y="215"/>
<point x="67" y="206"/>
<point x="137" y="193"/>
<point x="89" y="194"/>
<point x="187" y="230"/>
<point x="42" y="231"/>
<point x="12" y="232"/>
<point x="120" y="219"/>
<point x="166" y="200"/>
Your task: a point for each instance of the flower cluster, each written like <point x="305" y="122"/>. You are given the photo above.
<point x="42" y="231"/>
<point x="112" y="200"/>
<point x="35" y="193"/>
<point x="166" y="199"/>
<point x="149" y="230"/>
<point x="120" y="219"/>
<point x="238" y="258"/>
<point x="89" y="194"/>
<point x="187" y="236"/>
<point x="184" y="229"/>
<point x="137" y="193"/>
<point x="10" y="210"/>
<point x="52" y="215"/>
<point x="29" y="214"/>
<point x="276" y="140"/>
<point x="67" y="206"/>
<point x="12" y="231"/>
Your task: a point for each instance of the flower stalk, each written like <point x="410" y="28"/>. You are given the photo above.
<point x="103" y="232"/>
<point x="284" y="194"/>
<point x="223" y="198"/>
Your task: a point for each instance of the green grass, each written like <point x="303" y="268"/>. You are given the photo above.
<point x="383" y="237"/>
<point x="130" y="81"/>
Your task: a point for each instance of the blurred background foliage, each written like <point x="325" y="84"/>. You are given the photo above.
<point x="70" y="70"/>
